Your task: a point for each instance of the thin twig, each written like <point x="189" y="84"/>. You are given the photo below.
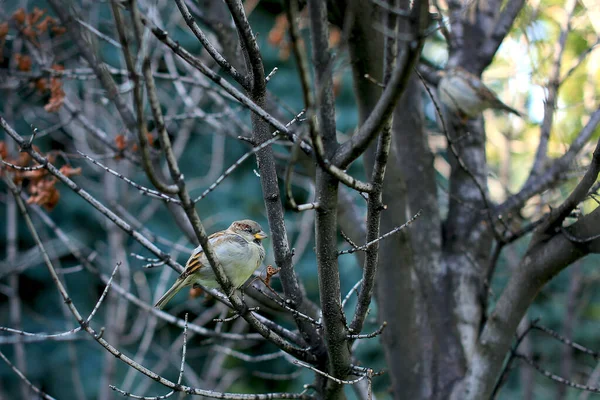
<point x="557" y="378"/>
<point x="226" y="65"/>
<point x="393" y="231"/>
<point x="147" y="162"/>
<point x="24" y="379"/>
<point x="118" y="354"/>
<point x="19" y="168"/>
<point x="325" y="374"/>
<point x="182" y="365"/>
<point x="370" y="335"/>
<point x="235" y="93"/>
<point x="143" y="190"/>
<point x="247" y="358"/>
<point x="282" y="303"/>
<point x="254" y="150"/>
<point x="354" y="289"/>
<point x="566" y="341"/>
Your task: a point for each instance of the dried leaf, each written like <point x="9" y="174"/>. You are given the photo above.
<point x="35" y="15"/>
<point x="277" y="33"/>
<point x="57" y="95"/>
<point x="121" y="142"/>
<point x="29" y="32"/>
<point x="23" y="62"/>
<point x="41" y="84"/>
<point x="58" y="30"/>
<point x="45" y="24"/>
<point x="3" y="30"/>
<point x="270" y="272"/>
<point x="44" y="193"/>
<point x="24" y="159"/>
<point x="337" y="85"/>
<point x="150" y="139"/>
<point x="20" y="15"/>
<point x="3" y="150"/>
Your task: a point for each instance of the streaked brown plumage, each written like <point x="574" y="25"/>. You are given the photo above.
<point x="466" y="95"/>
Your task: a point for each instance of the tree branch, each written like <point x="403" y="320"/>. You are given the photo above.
<point x="542" y="262"/>
<point x="353" y="148"/>
<point x="214" y="53"/>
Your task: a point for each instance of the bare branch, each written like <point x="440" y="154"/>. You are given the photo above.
<point x="393" y="231"/>
<point x="236" y="164"/>
<point x="249" y="46"/>
<point x="24" y="379"/>
<point x="557" y="378"/>
<point x="558" y="215"/>
<point x="143" y="190"/>
<point x="118" y="354"/>
<point x="325" y="374"/>
<point x="189" y="20"/>
<point x="142" y="132"/>
<point x="553" y="173"/>
<point x="183" y="351"/>
<point x="369" y="335"/>
<point x="242" y="98"/>
<point x="375" y="202"/>
<point x="552" y="93"/>
<point x="353" y="148"/>
<point x="89" y="198"/>
<point x="566" y="341"/>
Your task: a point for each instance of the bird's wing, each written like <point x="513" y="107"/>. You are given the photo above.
<point x="198" y="260"/>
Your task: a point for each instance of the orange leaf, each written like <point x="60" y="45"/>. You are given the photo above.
<point x="20" y="15"/>
<point x="43" y="26"/>
<point x="277" y="33"/>
<point x="35" y="15"/>
<point x="150" y="138"/>
<point x="3" y="150"/>
<point x="3" y="30"/>
<point x="57" y="95"/>
<point x="58" y="30"/>
<point x="41" y="84"/>
<point x="121" y="142"/>
<point x="196" y="292"/>
<point x="24" y="159"/>
<point x="23" y="62"/>
<point x="44" y="193"/>
<point x="29" y="32"/>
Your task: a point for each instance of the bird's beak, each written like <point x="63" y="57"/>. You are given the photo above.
<point x="260" y="235"/>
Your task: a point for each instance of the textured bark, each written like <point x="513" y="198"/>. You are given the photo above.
<point x="412" y="290"/>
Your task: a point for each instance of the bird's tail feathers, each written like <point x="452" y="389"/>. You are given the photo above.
<point x="510" y="110"/>
<point x="177" y="286"/>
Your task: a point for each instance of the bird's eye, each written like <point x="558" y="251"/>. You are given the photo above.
<point x="248" y="229"/>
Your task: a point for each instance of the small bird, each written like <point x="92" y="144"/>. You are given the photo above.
<point x="464" y="94"/>
<point x="239" y="249"/>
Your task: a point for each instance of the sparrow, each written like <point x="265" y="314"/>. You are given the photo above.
<point x="466" y="95"/>
<point x="239" y="249"/>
